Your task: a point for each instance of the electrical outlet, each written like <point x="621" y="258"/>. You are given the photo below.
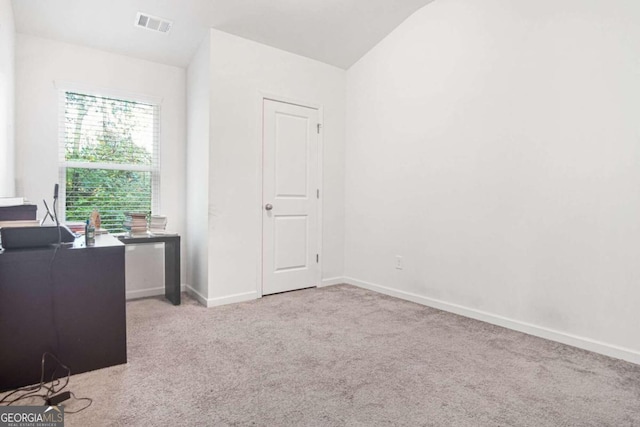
<point x="398" y="262"/>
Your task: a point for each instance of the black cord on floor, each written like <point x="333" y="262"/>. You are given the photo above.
<point x="50" y="387"/>
<point x="79" y="399"/>
<point x="31" y="391"/>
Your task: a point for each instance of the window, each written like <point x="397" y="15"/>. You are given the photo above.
<point x="108" y="158"/>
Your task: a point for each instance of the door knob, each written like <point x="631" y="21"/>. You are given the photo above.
<point x="268" y="206"/>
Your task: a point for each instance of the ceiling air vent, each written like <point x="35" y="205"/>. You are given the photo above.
<point x="153" y="23"/>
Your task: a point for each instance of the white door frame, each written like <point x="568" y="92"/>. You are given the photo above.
<point x="262" y="96"/>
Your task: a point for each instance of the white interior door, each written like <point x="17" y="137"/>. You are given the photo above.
<point x="290" y="197"/>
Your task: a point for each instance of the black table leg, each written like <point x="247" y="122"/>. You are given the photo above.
<point x="171" y="261"/>
<point x="172" y="270"/>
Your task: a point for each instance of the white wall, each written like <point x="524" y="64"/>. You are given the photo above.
<point x="41" y="62"/>
<point x="7" y="85"/>
<point x="240" y="70"/>
<point x="495" y="146"/>
<point x="197" y="191"/>
<point x="144" y="267"/>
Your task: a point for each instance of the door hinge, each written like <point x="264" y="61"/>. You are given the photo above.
<point x="317" y="258"/>
<point x="318" y="193"/>
<point x="319" y="126"/>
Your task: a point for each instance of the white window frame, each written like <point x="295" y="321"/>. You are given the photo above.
<point x="64" y="87"/>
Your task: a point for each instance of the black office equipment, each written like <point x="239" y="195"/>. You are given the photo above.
<point x="58" y="398"/>
<point x="34" y="237"/>
<point x="88" y="290"/>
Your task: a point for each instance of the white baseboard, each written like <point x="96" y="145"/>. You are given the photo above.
<point x="528" y="328"/>
<point x="230" y="299"/>
<point x="197" y="295"/>
<point x="331" y="281"/>
<point x="149" y="292"/>
<point x="215" y="302"/>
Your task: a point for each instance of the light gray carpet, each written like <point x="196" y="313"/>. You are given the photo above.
<point x="347" y="356"/>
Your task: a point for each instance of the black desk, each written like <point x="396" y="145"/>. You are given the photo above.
<point x="80" y="295"/>
<point x="171" y="261"/>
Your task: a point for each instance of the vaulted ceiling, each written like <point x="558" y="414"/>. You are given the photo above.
<point x="337" y="32"/>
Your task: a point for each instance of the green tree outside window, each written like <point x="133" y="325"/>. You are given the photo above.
<point x="109" y="160"/>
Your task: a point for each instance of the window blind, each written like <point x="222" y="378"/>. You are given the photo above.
<point x="108" y="157"/>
